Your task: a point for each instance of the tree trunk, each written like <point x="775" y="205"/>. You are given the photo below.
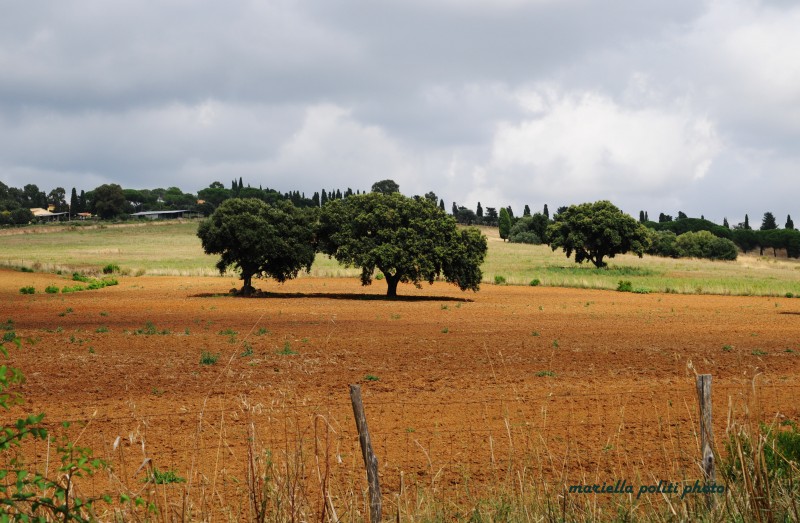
<point x="247" y="287"/>
<point x="391" y="281"/>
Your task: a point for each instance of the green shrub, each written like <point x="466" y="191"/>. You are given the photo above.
<point x="165" y="477"/>
<point x="207" y="358"/>
<point x="662" y="243"/>
<point x="76" y="276"/>
<point x="287" y="349"/>
<point x="499" y="280"/>
<point x="703" y="244"/>
<point x="150" y="330"/>
<point x="535" y="282"/>
<point x="26" y="494"/>
<point x="111" y="268"/>
<point x="525" y="237"/>
<point x="625" y="286"/>
<point x="51" y="289"/>
<point x="379" y="276"/>
<point x="27" y="290"/>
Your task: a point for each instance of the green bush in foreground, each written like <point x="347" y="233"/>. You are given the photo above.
<point x="27" y="290"/>
<point x="25" y="493"/>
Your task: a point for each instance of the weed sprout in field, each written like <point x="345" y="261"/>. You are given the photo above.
<point x="287" y="349"/>
<point x="208" y="358"/>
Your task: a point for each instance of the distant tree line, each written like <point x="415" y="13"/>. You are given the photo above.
<point x="111" y="201"/>
<point x="742" y="235"/>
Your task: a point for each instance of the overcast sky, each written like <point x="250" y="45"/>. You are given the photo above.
<point x="685" y="105"/>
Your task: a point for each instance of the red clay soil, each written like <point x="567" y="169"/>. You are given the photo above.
<point x="565" y="385"/>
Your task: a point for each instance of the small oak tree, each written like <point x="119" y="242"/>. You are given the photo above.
<point x="407" y="239"/>
<point x="594" y="231"/>
<point x="259" y="239"/>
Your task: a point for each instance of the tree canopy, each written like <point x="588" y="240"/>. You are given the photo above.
<point x="594" y="231"/>
<point x="385" y="187"/>
<point x="768" y="223"/>
<point x="409" y="240"/>
<point x="108" y="201"/>
<point x="259" y="239"/>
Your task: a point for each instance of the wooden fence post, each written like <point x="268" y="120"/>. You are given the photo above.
<point x="706" y="431"/>
<point x="370" y="460"/>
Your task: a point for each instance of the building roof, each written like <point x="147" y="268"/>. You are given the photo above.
<point x="38" y="212"/>
<point x="153" y="213"/>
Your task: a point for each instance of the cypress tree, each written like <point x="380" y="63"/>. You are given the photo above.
<point x="641" y="216"/>
<point x="324" y="198"/>
<point x="746" y="222"/>
<point x="74" y="203"/>
<point x="455" y="209"/>
<point x="441" y="204"/>
<point x="725" y="223"/>
<point x="526" y="211"/>
<point x="479" y="211"/>
<point x="789" y="222"/>
<point x="504" y="223"/>
<point x="546" y="212"/>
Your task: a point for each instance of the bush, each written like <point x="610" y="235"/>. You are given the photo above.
<point x="529" y="229"/>
<point x="499" y="280"/>
<point x="51" y="289"/>
<point x="111" y="268"/>
<point x="625" y="286"/>
<point x="27" y="290"/>
<point x="662" y="243"/>
<point x="525" y="237"/>
<point x="25" y="493"/>
<point x="703" y="244"/>
<point x="535" y="282"/>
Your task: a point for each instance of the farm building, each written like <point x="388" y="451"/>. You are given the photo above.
<point x="48" y="216"/>
<point x="165" y="215"/>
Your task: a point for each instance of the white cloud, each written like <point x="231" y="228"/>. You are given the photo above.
<point x="338" y="151"/>
<point x="586" y="145"/>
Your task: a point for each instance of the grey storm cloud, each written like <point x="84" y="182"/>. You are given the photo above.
<point x="663" y="106"/>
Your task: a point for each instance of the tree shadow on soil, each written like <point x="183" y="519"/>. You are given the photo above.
<point x="330" y="296"/>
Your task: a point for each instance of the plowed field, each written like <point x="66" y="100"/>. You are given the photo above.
<point x="568" y="385"/>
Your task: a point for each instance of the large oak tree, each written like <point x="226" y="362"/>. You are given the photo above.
<point x="595" y="231"/>
<point x="407" y="239"/>
<point x="259" y="239"/>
